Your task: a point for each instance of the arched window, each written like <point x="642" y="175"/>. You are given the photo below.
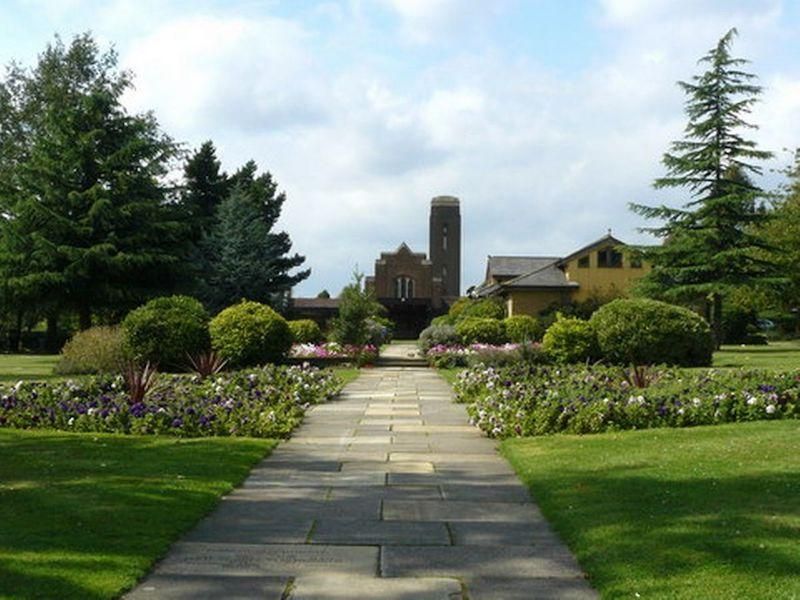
<point x="403" y="287"/>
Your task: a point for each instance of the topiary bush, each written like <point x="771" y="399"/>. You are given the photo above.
<point x="94" y="350"/>
<point x="305" y="331"/>
<point x="438" y="335"/>
<point x="250" y="333"/>
<point x="642" y="331"/>
<point x="523" y="328"/>
<point x="570" y="340"/>
<point x="166" y="330"/>
<point x="485" y="308"/>
<point x="477" y="330"/>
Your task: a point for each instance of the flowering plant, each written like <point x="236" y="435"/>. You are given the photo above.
<point x="525" y="399"/>
<point x="362" y="354"/>
<point x="264" y="402"/>
<point x="448" y="356"/>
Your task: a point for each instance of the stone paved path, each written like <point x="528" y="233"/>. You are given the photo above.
<point x="386" y="493"/>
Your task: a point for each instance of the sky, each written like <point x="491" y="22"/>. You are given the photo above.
<point x="545" y="117"/>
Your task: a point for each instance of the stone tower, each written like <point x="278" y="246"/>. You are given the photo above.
<point x="445" y="244"/>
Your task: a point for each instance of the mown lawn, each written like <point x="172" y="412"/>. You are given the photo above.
<point x="27" y="366"/>
<point x="784" y="355"/>
<point x="708" y="512"/>
<point x="85" y="515"/>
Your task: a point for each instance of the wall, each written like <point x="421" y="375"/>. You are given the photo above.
<point x="603" y="281"/>
<point x="532" y="302"/>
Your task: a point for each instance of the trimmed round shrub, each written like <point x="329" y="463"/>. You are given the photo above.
<point x="94" y="350"/>
<point x="166" y="330"/>
<point x="485" y="308"/>
<point x="305" y="331"/>
<point x="523" y="328"/>
<point x="570" y="340"/>
<point x="438" y="335"/>
<point x="250" y="333"/>
<point x="443" y="320"/>
<point x="642" y="331"/>
<point x="477" y="330"/>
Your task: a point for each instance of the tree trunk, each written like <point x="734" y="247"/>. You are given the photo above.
<point x="51" y="338"/>
<point x="714" y="312"/>
<point x="15" y="334"/>
<point x="84" y="317"/>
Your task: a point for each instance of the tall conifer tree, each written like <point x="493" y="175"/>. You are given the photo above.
<point x="87" y="194"/>
<point x="711" y="245"/>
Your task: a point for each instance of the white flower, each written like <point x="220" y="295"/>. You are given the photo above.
<point x="696" y="401"/>
<point x="71" y="421"/>
<point x="751" y="400"/>
<point x="770" y="409"/>
<point x="91" y="411"/>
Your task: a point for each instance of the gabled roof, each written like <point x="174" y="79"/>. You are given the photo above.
<point x="312" y="303"/>
<point x="606" y="240"/>
<point x="514" y="266"/>
<point x="549" y="276"/>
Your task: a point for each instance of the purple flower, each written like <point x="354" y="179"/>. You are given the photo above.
<point x="177" y="422"/>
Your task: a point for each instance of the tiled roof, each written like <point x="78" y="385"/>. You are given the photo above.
<point x="514" y="266"/>
<point x="549" y="276"/>
<point x="315" y="303"/>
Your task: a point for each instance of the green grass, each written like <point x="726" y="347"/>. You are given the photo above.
<point x="347" y="374"/>
<point x="27" y="366"/>
<point x="450" y="375"/>
<point x="783" y="355"/>
<point x="709" y="512"/>
<point x="85" y="515"/>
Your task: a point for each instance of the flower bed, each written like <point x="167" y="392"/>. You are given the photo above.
<point x="449" y="356"/>
<point x="334" y="352"/>
<point x="525" y="400"/>
<point x="262" y="402"/>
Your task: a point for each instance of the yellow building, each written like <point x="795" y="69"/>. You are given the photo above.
<point x="531" y="284"/>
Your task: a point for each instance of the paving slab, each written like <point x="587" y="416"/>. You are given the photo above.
<point x="459" y="510"/>
<point x="208" y="587"/>
<point x="477" y="561"/>
<point x="323" y="587"/>
<point x="253" y="560"/>
<point x="394" y="533"/>
<point x="536" y="588"/>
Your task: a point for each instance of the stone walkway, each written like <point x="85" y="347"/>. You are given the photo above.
<point x="385" y="493"/>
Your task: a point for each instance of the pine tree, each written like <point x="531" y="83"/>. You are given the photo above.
<point x="205" y="189"/>
<point x="245" y="258"/>
<point x="85" y="206"/>
<point x="711" y="246"/>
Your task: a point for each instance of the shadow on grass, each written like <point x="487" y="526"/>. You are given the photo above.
<point x="99" y="509"/>
<point x="624" y="524"/>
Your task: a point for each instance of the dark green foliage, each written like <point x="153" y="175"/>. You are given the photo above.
<point x="166" y="331"/>
<point x="738" y="324"/>
<point x="481" y="330"/>
<point x="483" y="308"/>
<point x="94" y="350"/>
<point x="305" y="331"/>
<point x="523" y="328"/>
<point x="356" y="306"/>
<point x="643" y="331"/>
<point x="571" y="340"/>
<point x="244" y="257"/>
<point x="711" y="245"/>
<point x="438" y="335"/>
<point x="206" y="187"/>
<point x="250" y="333"/>
<point x="85" y="223"/>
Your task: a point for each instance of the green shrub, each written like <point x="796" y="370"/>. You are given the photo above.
<point x="570" y="340"/>
<point x="305" y="331"/>
<point x="523" y="328"/>
<point x="166" y="330"/>
<point x="485" y="308"/>
<point x="477" y="330"/>
<point x="443" y="320"/>
<point x="643" y="331"/>
<point x="250" y="333"/>
<point x="379" y="330"/>
<point x="94" y="350"/>
<point x="438" y="335"/>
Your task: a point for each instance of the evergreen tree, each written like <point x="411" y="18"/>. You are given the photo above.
<point x="205" y="188"/>
<point x="84" y="204"/>
<point x="245" y="258"/>
<point x="357" y="305"/>
<point x="711" y="246"/>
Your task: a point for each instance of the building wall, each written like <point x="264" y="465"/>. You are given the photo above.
<point x="596" y="281"/>
<point x="445" y="244"/>
<point x="532" y="302"/>
<point x="403" y="264"/>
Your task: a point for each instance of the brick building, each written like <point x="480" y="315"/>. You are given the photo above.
<point x="415" y="288"/>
